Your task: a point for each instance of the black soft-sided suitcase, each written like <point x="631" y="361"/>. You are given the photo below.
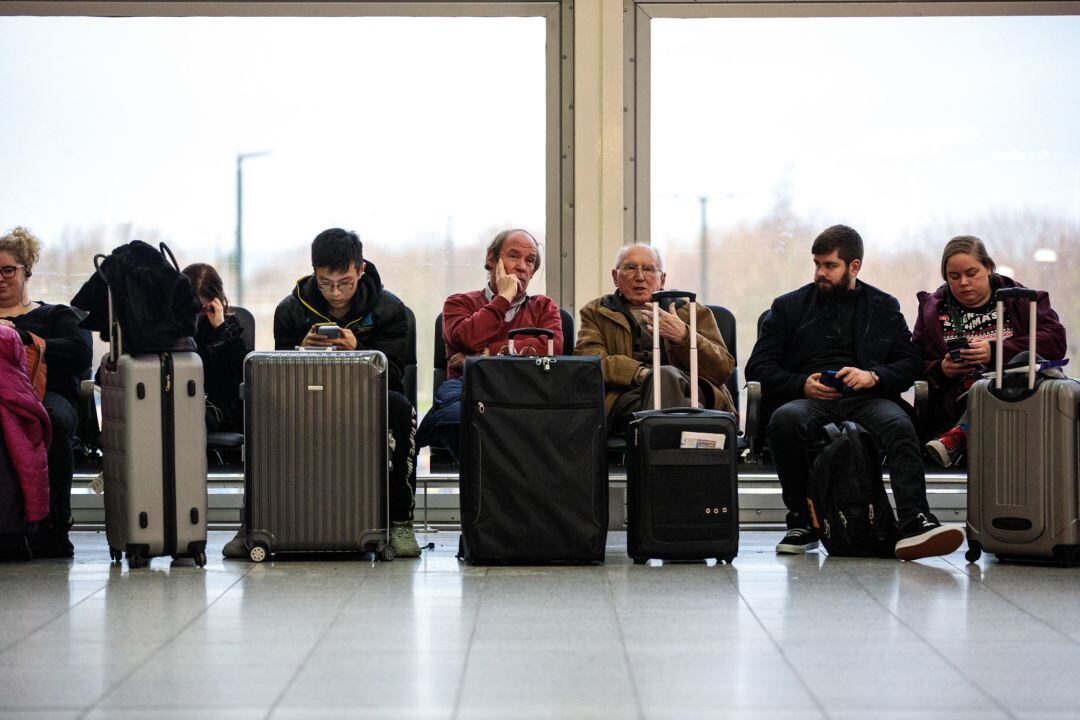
<point x="682" y="502"/>
<point x="534" y="460"/>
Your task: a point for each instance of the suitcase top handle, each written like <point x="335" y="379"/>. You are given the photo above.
<point x="531" y="331"/>
<point x="673" y="295"/>
<point x="1016" y="292"/>
<point x="1000" y="297"/>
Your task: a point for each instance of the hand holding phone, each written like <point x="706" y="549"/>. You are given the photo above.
<point x="828" y="377"/>
<point x="955" y="345"/>
<point x="329" y="331"/>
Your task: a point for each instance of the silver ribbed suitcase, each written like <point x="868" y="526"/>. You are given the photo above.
<point x="316" y="456"/>
<point x="1023" y="474"/>
<point x="153" y="413"/>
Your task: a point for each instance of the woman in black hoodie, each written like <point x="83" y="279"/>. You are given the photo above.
<point x="218" y="336"/>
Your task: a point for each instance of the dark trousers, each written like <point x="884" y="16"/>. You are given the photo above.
<point x="61" y="460"/>
<point x="798" y="423"/>
<point x="401" y="416"/>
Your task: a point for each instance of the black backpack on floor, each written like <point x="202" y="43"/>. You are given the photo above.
<point x="846" y="496"/>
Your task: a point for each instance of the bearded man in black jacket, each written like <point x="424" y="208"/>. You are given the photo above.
<point x="839" y="324"/>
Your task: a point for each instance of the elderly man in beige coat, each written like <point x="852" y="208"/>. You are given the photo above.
<point x="618" y="329"/>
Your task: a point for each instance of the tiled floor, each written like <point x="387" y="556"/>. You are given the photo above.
<point x="770" y="637"/>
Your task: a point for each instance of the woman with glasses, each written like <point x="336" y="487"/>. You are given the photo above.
<point x="68" y="354"/>
<point x="220" y="343"/>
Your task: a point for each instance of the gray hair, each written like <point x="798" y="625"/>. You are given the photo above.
<point x="627" y="248"/>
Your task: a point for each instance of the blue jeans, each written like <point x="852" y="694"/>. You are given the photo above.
<point x="442" y="424"/>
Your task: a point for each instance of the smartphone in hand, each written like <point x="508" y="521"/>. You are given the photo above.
<point x="955" y="345"/>
<point x="828" y="377"/>
<point x="329" y="331"/>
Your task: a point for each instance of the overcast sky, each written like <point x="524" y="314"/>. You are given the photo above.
<point x="399" y="127"/>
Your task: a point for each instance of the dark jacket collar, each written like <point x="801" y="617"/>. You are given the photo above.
<point x="367" y="295"/>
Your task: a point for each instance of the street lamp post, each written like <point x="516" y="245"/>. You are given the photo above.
<point x="238" y="252"/>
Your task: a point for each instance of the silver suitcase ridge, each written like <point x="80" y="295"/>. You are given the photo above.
<point x="315" y="449"/>
<point x="1023" y="448"/>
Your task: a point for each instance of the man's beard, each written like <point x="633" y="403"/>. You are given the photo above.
<point x="826" y="289"/>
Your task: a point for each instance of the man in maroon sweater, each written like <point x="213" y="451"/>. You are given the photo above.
<point x="477" y="323"/>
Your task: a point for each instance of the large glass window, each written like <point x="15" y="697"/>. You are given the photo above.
<point x="911" y="130"/>
<point x="425" y="135"/>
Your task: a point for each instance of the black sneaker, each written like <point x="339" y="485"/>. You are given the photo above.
<point x="798" y="541"/>
<point x="51" y="543"/>
<point x="923" y="536"/>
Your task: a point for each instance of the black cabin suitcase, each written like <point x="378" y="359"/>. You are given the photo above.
<point x="534" y="459"/>
<point x="682" y="480"/>
<point x="1023" y="459"/>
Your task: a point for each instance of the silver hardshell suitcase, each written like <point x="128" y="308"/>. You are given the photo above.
<point x="153" y="413"/>
<point x="315" y="450"/>
<point x="153" y="446"/>
<point x="1023" y="443"/>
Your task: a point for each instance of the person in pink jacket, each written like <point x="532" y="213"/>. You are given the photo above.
<point x="477" y="323"/>
<point x="26" y="430"/>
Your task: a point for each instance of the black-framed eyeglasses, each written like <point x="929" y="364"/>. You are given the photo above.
<point x="8" y="271"/>
<point x="343" y="286"/>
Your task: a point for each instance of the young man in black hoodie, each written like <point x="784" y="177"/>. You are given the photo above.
<point x="838" y="323"/>
<point x="346" y="290"/>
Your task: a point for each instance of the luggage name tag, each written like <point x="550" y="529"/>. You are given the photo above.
<point x="97" y="485"/>
<point x="702" y="440"/>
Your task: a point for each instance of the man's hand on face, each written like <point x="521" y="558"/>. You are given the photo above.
<point x="814" y="390"/>
<point x="671" y="325"/>
<point x="855" y="378"/>
<point x="506" y="284"/>
<point x="314" y="339"/>
<point x="347" y="341"/>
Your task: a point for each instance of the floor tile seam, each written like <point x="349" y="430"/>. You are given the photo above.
<point x="991" y="589"/>
<point x="956" y="668"/>
<point x="780" y="649"/>
<point x="165" y="643"/>
<point x="460" y="691"/>
<point x="638" y="706"/>
<point x="322" y="636"/>
<point x="50" y="621"/>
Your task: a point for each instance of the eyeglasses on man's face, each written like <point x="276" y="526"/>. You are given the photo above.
<point x="8" y="271"/>
<point x="328" y="287"/>
<point x="632" y="269"/>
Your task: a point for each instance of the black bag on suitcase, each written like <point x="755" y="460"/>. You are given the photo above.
<point x="848" y="504"/>
<point x="13" y="526"/>
<point x="682" y="498"/>
<point x="534" y="459"/>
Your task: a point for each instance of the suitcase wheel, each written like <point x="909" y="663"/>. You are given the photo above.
<point x="258" y="553"/>
<point x="388" y="552"/>
<point x="116" y="555"/>
<point x="727" y="559"/>
<point x="640" y="560"/>
<point x="200" y="559"/>
<point x="136" y="561"/>
<point x="974" y="552"/>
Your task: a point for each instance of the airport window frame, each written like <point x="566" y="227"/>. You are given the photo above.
<point x="637" y="73"/>
<point x="559" y="79"/>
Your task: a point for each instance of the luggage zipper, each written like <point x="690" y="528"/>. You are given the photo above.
<point x="168" y="454"/>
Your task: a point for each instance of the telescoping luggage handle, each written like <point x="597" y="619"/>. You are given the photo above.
<point x="115" y="336"/>
<point x="999" y="361"/>
<point x="532" y="332"/>
<point x="674" y="295"/>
